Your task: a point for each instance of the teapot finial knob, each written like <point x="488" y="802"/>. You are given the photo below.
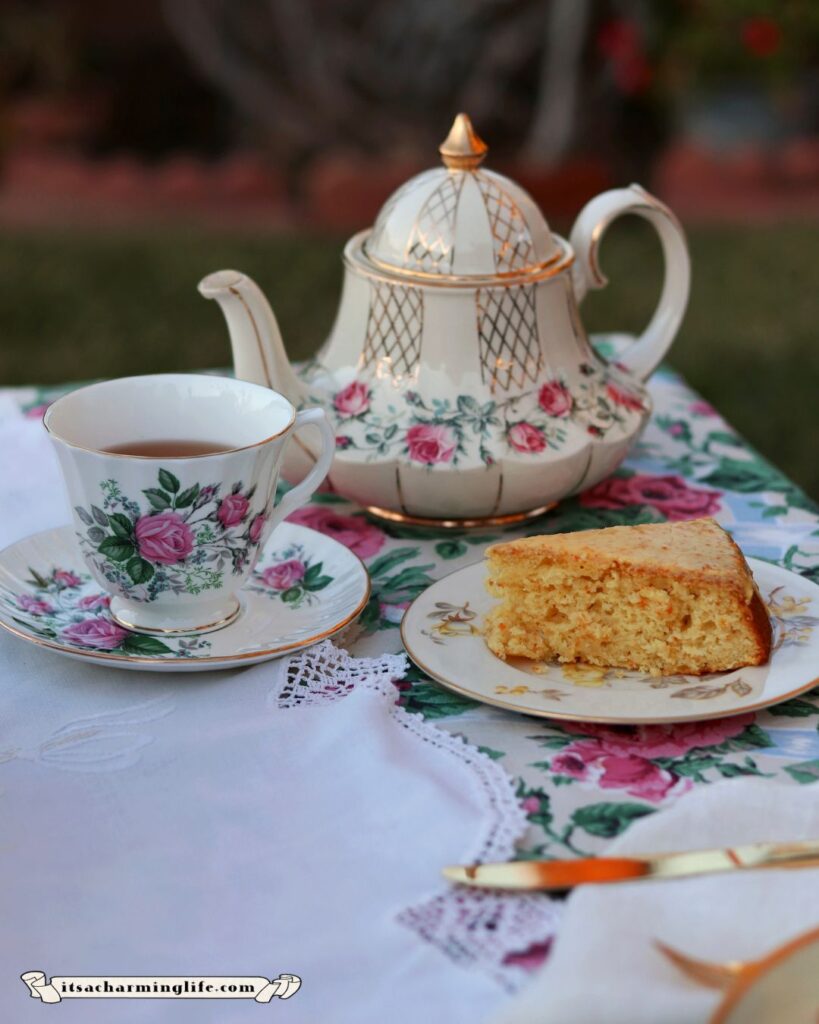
<point x="463" y="149"/>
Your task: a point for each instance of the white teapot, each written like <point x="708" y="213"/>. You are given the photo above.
<point x="461" y="384"/>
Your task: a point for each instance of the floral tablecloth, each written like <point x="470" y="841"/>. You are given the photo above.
<point x="582" y="784"/>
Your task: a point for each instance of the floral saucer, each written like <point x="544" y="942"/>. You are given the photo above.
<point x="305" y="588"/>
<point x="441" y="631"/>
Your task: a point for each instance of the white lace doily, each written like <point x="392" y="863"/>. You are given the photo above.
<point x="475" y="928"/>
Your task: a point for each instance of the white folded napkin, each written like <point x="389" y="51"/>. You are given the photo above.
<point x="604" y="969"/>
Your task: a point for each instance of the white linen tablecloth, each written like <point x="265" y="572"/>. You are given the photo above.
<point x="216" y="824"/>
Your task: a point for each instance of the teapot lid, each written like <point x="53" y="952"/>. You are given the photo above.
<point x="461" y="220"/>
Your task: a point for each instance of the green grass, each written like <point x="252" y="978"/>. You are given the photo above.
<point x="74" y="306"/>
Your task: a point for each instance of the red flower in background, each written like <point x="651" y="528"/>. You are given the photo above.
<point x="761" y="36"/>
<point x="621" y="41"/>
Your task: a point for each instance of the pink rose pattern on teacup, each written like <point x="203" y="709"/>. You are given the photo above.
<point x="233" y="510"/>
<point x="164" y="538"/>
<point x="257" y="528"/>
<point x="669" y="495"/>
<point x="179" y="539"/>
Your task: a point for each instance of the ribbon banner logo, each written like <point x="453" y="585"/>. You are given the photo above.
<point x="199" y="987"/>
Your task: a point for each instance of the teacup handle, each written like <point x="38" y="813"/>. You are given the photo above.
<point x="643" y="357"/>
<point x="303" y="491"/>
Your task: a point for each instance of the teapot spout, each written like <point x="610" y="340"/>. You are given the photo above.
<point x="259" y="355"/>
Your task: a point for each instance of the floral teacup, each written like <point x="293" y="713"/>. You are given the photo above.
<point x="173" y="538"/>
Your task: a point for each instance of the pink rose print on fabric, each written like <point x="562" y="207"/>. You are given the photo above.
<point x="256" y="527"/>
<point x="621" y="397"/>
<point x="639" y="777"/>
<point x="164" y="538"/>
<point x="524" y="437"/>
<point x="285" y="574"/>
<point x="94" y="602"/>
<point x="591" y="761"/>
<point x="355" y="532"/>
<point x="232" y="510"/>
<point x="34" y="605"/>
<point x="66" y="578"/>
<point x="100" y="634"/>
<point x="671" y="740"/>
<point x="670" y="495"/>
<point x="622" y="758"/>
<point x="700" y="408"/>
<point x="572" y="761"/>
<point x="352" y="400"/>
<point x="431" y="443"/>
<point x="555" y="399"/>
<point x="532" y="958"/>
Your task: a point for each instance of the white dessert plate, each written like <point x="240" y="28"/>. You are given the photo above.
<point x="48" y="598"/>
<point x="441" y="631"/>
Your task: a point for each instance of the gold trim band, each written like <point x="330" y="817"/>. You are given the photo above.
<point x="208" y="627"/>
<point x="476" y="522"/>
<point x="357" y="259"/>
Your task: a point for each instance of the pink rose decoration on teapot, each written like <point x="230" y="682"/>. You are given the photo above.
<point x="555" y="399"/>
<point x="430" y="443"/>
<point x="352" y="400"/>
<point x="524" y="437"/>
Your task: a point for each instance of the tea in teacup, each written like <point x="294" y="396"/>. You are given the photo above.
<point x="166" y="449"/>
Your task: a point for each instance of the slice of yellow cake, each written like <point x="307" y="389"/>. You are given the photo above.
<point x="663" y="598"/>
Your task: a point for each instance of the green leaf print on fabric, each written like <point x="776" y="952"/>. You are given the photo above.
<point x="804" y="772"/>
<point x="609" y="819"/>
<point x="418" y="693"/>
<point x="796" y="707"/>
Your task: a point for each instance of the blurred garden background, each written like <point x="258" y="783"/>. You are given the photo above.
<point x="144" y="145"/>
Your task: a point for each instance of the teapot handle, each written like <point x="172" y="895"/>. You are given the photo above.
<point x="643" y="357"/>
